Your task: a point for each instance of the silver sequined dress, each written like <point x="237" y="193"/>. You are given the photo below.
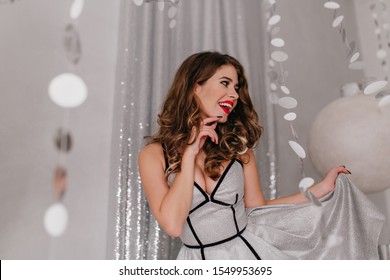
<point x="346" y="226"/>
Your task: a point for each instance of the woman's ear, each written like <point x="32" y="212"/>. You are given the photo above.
<point x="197" y="89"/>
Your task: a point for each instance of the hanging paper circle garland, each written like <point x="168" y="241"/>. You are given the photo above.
<point x="285" y="102"/>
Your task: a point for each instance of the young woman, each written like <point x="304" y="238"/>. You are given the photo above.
<point x="200" y="178"/>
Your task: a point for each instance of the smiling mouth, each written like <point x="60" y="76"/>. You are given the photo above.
<point x="226" y="106"/>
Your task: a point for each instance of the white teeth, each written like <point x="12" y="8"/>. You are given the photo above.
<point x="225" y="105"/>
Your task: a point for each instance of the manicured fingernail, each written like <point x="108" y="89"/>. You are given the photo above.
<point x="219" y="117"/>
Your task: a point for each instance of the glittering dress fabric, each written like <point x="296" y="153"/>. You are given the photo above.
<point x="346" y="226"/>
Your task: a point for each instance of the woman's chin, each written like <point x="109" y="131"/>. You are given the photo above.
<point x="223" y="119"/>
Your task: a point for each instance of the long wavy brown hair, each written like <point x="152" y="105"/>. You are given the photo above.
<point x="181" y="112"/>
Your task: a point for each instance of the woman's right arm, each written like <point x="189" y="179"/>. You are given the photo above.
<point x="170" y="205"/>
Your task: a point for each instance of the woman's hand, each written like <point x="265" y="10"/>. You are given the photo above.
<point x="328" y="183"/>
<point x="206" y="129"/>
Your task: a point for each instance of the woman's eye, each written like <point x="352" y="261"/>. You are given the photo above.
<point x="225" y="83"/>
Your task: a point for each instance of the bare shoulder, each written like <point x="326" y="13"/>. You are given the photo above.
<point x="248" y="157"/>
<point x="151" y="153"/>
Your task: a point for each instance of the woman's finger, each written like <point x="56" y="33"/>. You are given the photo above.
<point x="212" y="132"/>
<point x="207" y="121"/>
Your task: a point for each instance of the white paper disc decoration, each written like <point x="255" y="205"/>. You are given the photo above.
<point x="297" y="149"/>
<point x="56" y="219"/>
<point x="288" y="102"/>
<point x="279" y="56"/>
<point x="76" y="8"/>
<point x="306" y="183"/>
<point x="354" y="57"/>
<point x="285" y="89"/>
<point x="332" y="5"/>
<point x="290" y="116"/>
<point x="374" y="87"/>
<point x="357" y="65"/>
<point x="337" y="21"/>
<point x="277" y="42"/>
<point x="274" y="20"/>
<point x="353" y="131"/>
<point x="67" y="90"/>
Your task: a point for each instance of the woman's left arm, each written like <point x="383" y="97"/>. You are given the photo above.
<point x="254" y="196"/>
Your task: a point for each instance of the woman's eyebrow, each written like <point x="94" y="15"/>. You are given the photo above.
<point x="227" y="78"/>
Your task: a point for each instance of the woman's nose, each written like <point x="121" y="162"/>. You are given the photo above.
<point x="233" y="94"/>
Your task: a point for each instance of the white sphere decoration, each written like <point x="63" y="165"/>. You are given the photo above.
<point x="384" y="101"/>
<point x="56" y="219"/>
<point x="353" y="131"/>
<point x="67" y="90"/>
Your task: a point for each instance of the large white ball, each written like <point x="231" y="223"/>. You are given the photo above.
<point x="354" y="131"/>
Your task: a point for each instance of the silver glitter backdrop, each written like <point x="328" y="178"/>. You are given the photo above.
<point x="153" y="42"/>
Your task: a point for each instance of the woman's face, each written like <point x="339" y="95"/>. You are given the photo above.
<point x="218" y="95"/>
